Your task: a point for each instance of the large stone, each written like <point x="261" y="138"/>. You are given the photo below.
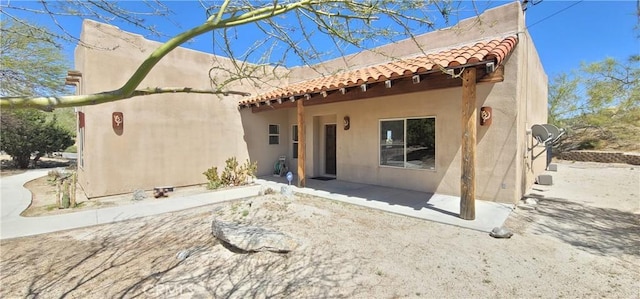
<point x="500" y="233"/>
<point x="251" y="238"/>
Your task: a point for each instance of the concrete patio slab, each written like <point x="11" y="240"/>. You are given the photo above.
<point x="428" y="206"/>
<point x="433" y="207"/>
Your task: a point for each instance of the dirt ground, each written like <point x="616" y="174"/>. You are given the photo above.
<point x="561" y="248"/>
<point x="44" y="190"/>
<point x="44" y="201"/>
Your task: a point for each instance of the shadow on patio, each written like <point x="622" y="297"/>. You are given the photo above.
<point x="428" y="206"/>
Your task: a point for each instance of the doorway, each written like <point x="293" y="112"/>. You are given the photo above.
<point x="330" y="149"/>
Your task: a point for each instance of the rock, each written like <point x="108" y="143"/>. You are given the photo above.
<point x="526" y="207"/>
<point x="139" y="195"/>
<point x="500" y="233"/>
<point x="182" y="255"/>
<point x="251" y="238"/>
<point x="531" y="201"/>
<point x="287" y="191"/>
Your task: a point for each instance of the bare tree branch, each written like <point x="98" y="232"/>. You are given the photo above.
<point x="346" y="23"/>
<point x="49" y="103"/>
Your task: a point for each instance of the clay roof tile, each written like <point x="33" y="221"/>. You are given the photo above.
<point x="493" y="50"/>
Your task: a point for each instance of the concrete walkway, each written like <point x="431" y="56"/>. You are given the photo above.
<point x="434" y="207"/>
<point x="15" y="199"/>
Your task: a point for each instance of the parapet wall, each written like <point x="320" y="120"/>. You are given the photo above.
<point x="603" y="157"/>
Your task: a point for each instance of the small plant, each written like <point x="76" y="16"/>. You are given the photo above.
<point x="213" y="178"/>
<point x="234" y="207"/>
<point x="245" y="213"/>
<point x="65" y="183"/>
<point x="139" y="195"/>
<point x="54" y="175"/>
<point x="233" y="174"/>
<point x="66" y="198"/>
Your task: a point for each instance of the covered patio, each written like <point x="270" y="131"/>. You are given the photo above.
<point x="429" y="206"/>
<point x="463" y="67"/>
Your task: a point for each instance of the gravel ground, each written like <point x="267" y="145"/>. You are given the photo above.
<point x="580" y="244"/>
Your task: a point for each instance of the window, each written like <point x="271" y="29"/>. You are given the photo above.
<point x="408" y="143"/>
<point x="274" y="134"/>
<point x="294" y="141"/>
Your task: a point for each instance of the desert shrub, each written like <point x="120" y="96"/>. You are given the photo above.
<point x="235" y="174"/>
<point x="65" y="183"/>
<point x="58" y="174"/>
<point x="54" y="174"/>
<point x="213" y="179"/>
<point x="590" y="144"/>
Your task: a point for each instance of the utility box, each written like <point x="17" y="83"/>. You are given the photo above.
<point x="545" y="179"/>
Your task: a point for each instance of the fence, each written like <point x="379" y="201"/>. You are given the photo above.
<point x="601" y="156"/>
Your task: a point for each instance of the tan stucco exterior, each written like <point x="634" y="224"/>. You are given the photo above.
<point x="172" y="139"/>
<point x="167" y="139"/>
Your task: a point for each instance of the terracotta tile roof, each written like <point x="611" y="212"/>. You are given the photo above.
<point x="495" y="50"/>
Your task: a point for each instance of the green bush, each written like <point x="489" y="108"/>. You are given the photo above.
<point x="27" y="132"/>
<point x="71" y="149"/>
<point x="213" y="178"/>
<point x="233" y="174"/>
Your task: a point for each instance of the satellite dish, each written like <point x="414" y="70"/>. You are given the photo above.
<point x="553" y="130"/>
<point x="540" y="133"/>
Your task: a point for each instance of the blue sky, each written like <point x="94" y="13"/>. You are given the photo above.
<point x="588" y="31"/>
<point x="566" y="33"/>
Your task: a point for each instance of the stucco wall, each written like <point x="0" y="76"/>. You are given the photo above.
<point x="172" y="139"/>
<point x="505" y="167"/>
<point x="167" y="139"/>
<point x="256" y="128"/>
<point x="358" y="147"/>
<point x="532" y="95"/>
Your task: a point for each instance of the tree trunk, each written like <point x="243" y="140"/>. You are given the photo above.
<point x="36" y="159"/>
<point x="22" y="161"/>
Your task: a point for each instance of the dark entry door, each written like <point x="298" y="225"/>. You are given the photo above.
<point x="330" y="149"/>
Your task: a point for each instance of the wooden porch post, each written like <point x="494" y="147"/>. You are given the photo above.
<point x="469" y="120"/>
<point x="301" y="145"/>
